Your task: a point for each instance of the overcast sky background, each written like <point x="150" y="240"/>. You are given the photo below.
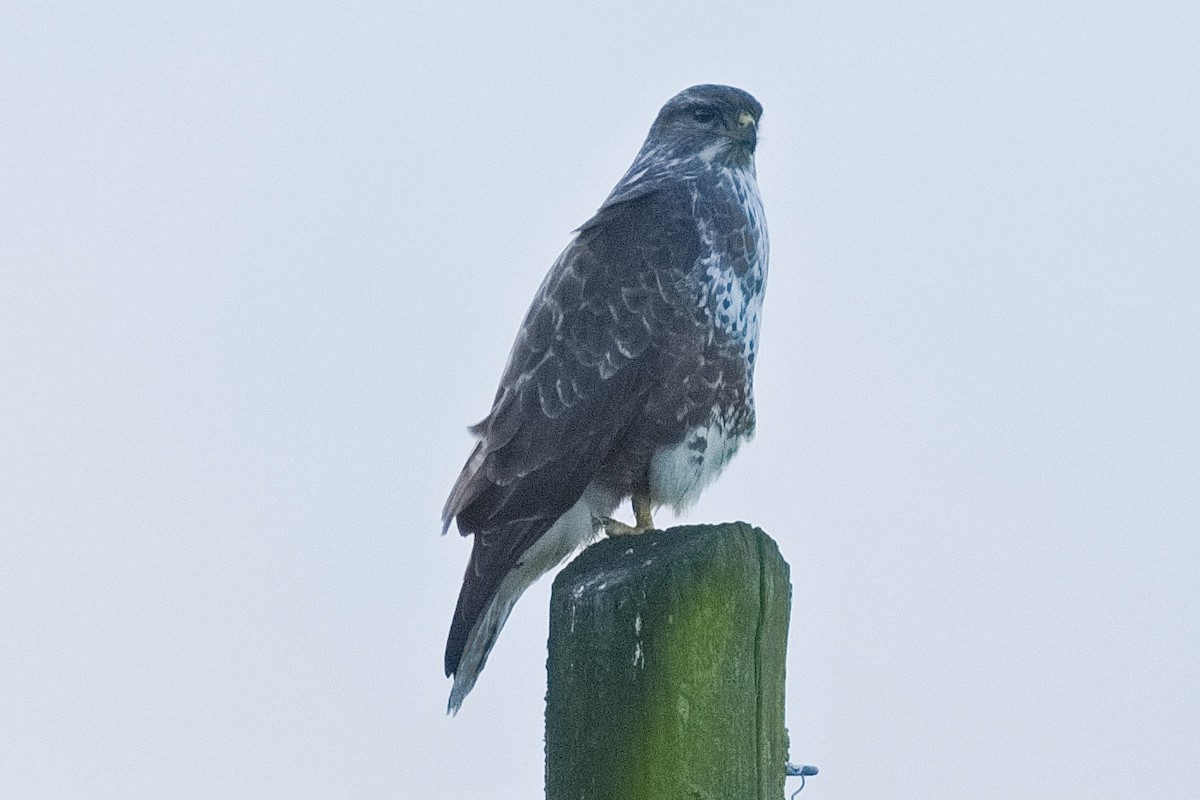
<point x="259" y="268"/>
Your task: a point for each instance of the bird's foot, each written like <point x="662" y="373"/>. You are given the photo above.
<point x="641" y="511"/>
<point x="614" y="527"/>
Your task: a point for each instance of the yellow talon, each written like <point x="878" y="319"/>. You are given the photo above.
<point x="641" y="512"/>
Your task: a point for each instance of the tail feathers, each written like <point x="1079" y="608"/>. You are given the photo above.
<point x="482" y="637"/>
<point x="569" y="532"/>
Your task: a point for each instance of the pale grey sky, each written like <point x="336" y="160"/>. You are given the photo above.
<point x="259" y="268"/>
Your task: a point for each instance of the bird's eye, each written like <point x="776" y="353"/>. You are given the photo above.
<point x="704" y="115"/>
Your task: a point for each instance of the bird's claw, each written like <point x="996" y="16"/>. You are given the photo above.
<point x="614" y="527"/>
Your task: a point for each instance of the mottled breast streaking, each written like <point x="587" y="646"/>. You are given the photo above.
<point x="632" y="374"/>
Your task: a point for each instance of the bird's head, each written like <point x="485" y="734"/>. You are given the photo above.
<point x="698" y="129"/>
<point x="719" y="124"/>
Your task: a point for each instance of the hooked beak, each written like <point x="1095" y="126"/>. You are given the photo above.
<point x="747" y="130"/>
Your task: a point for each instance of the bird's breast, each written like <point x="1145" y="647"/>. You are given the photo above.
<point x="734" y="255"/>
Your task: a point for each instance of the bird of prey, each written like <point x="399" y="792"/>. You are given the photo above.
<point x="631" y="376"/>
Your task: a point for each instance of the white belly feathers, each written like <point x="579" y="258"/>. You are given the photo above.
<point x="679" y="473"/>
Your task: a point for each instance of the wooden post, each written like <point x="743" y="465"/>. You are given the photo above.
<point x="666" y="668"/>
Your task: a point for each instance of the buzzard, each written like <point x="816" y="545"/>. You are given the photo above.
<point x="631" y="376"/>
